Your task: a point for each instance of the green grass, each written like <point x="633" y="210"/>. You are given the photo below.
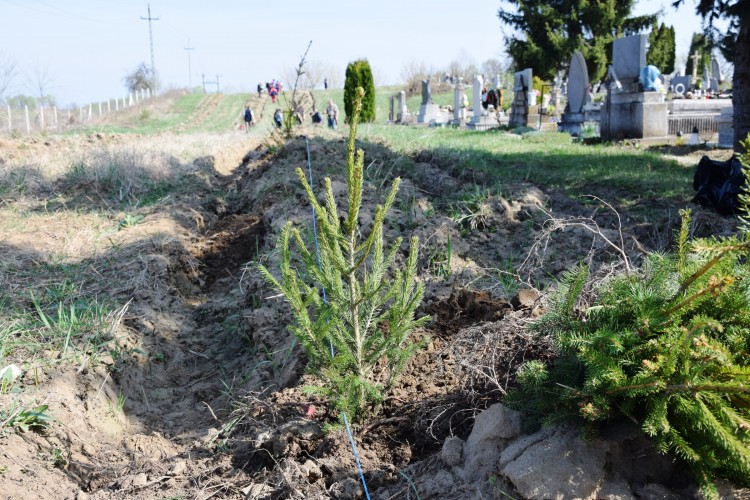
<point x="550" y="160"/>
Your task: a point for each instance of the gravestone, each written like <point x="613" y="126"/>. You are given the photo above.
<point x="403" y="115"/>
<point x="477" y="86"/>
<point x="429" y="112"/>
<point x="578" y="94"/>
<point x="630" y="113"/>
<point x="629" y="56"/>
<point x="519" y="110"/>
<point x="681" y="85"/>
<point x="716" y="70"/>
<point x="726" y="128"/>
<point x="459" y="111"/>
<point x="481" y="119"/>
<point x="426" y="92"/>
<point x="706" y="78"/>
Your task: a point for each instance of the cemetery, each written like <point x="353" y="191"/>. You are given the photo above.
<point x="487" y="281"/>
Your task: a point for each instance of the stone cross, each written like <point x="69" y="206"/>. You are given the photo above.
<point x="695" y="57"/>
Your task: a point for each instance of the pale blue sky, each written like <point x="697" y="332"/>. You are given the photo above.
<point x="87" y="46"/>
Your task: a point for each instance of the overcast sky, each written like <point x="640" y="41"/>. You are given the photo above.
<point x="87" y="46"/>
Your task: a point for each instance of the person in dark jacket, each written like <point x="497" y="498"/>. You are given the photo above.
<point x="249" y="118"/>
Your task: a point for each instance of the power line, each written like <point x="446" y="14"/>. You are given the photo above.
<point x="151" y="39"/>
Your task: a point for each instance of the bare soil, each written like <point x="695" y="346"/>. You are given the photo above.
<point x="213" y="383"/>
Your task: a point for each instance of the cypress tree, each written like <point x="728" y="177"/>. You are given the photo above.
<point x="700" y="45"/>
<point x="661" y="52"/>
<point x="359" y="74"/>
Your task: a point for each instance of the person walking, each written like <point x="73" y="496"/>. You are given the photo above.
<point x="249" y="118"/>
<point x="277" y="118"/>
<point x="325" y="83"/>
<point x="333" y="114"/>
<point x="260" y="89"/>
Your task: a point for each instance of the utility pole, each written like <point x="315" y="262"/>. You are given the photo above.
<point x="151" y="39"/>
<point x="190" y="70"/>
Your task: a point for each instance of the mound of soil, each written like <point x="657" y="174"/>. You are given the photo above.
<point x="204" y="395"/>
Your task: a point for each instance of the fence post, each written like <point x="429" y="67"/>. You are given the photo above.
<point x="54" y="115"/>
<point x="41" y="116"/>
<point x="28" y="123"/>
<point x="89" y="117"/>
<point x="109" y="108"/>
<point x="10" y="120"/>
<point x="100" y="108"/>
<point x="117" y="104"/>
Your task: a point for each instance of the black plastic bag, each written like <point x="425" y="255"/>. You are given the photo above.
<point x="718" y="184"/>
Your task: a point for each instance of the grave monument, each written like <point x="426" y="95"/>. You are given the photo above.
<point x="429" y="112"/>
<point x="519" y="110"/>
<point x="403" y="115"/>
<point x="459" y="111"/>
<point x="629" y="112"/>
<point x="481" y="118"/>
<point x="578" y="92"/>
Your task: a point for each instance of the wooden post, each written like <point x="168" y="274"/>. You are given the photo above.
<point x="89" y="117"/>
<point x="100" y="108"/>
<point x="117" y="104"/>
<point x="54" y="115"/>
<point x="10" y="120"/>
<point x="109" y="108"/>
<point x="41" y="116"/>
<point x="28" y="122"/>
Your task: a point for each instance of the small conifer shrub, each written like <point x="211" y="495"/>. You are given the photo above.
<point x="359" y="74"/>
<point x="353" y="310"/>
<point x="667" y="347"/>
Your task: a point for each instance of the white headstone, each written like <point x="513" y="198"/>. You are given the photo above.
<point x="458" y="101"/>
<point x="716" y="70"/>
<point x="578" y="83"/>
<point x="402" y="102"/>
<point x="477" y="98"/>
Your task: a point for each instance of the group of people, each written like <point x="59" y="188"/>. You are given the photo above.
<point x="332" y="114"/>
<point x="273" y="88"/>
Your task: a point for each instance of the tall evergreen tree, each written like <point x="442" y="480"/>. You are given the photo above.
<point x="359" y="74"/>
<point x="700" y="45"/>
<point x="548" y="31"/>
<point x="661" y="51"/>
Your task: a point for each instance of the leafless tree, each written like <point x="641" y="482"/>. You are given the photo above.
<point x="492" y="67"/>
<point x="40" y="83"/>
<point x="415" y="71"/>
<point x="8" y="73"/>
